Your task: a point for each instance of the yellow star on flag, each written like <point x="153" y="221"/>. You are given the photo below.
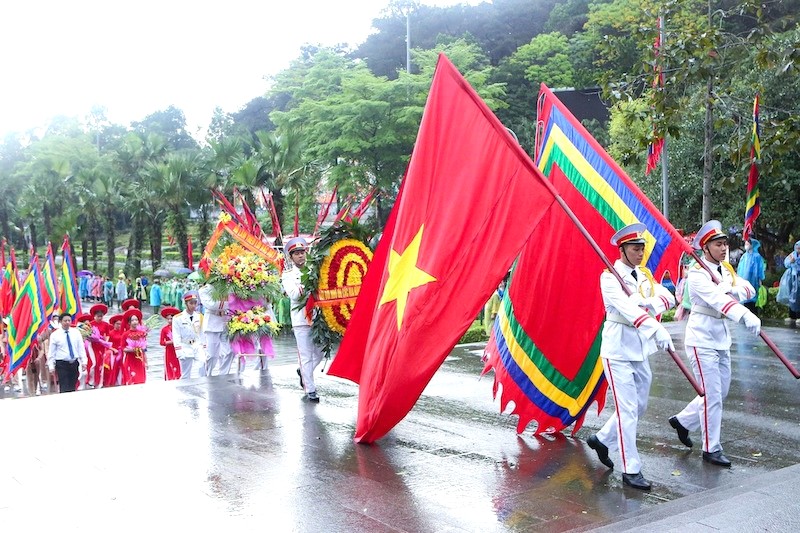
<point x="404" y="276"/>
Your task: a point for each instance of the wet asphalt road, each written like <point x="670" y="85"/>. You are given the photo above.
<point x="250" y="452"/>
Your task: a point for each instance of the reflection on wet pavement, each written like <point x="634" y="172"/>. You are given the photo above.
<point x="249" y="451"/>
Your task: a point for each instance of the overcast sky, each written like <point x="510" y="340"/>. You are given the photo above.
<point x="62" y="57"/>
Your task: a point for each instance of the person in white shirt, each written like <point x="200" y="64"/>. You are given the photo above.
<point x="708" y="340"/>
<point x="310" y="354"/>
<point x="630" y="335"/>
<point x="215" y="328"/>
<point x="66" y="352"/>
<point x="188" y="337"/>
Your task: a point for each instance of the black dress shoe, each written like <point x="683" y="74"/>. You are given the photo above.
<point x="636" y="481"/>
<point x="601" y="449"/>
<point x="716" y="458"/>
<point x="301" y="378"/>
<point x="683" y="433"/>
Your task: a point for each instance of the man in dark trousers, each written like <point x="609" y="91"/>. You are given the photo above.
<point x="67" y="354"/>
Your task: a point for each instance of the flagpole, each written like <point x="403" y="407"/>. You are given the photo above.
<point x="664" y="158"/>
<point x="777" y="351"/>
<point x="678" y="361"/>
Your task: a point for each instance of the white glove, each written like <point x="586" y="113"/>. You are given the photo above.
<point x="725" y="287"/>
<point x="752" y="323"/>
<point x="663" y="339"/>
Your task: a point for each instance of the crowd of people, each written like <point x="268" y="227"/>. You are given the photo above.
<point x="94" y="350"/>
<point x="160" y="292"/>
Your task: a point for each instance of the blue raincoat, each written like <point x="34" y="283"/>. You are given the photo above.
<point x="751" y="267"/>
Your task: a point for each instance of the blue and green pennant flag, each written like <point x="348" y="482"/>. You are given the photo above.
<point x="26" y="319"/>
<point x="68" y="295"/>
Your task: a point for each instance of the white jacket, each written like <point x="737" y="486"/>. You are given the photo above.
<point x="215" y="313"/>
<point x="635" y="341"/>
<point x="291" y="282"/>
<point x="703" y="331"/>
<point x="188" y="337"/>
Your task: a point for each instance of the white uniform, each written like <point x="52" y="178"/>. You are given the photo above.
<point x="309" y="353"/>
<point x="708" y="342"/>
<point x="215" y="327"/>
<point x="189" y="341"/>
<point x="628" y="338"/>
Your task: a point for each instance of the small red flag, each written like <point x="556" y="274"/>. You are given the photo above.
<point x="189" y="252"/>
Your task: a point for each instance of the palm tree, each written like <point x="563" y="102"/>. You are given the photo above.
<point x="107" y="191"/>
<point x="283" y="157"/>
<point x="181" y="189"/>
<point x="137" y="152"/>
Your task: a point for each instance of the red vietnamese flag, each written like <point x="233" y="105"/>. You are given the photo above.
<point x="470" y="199"/>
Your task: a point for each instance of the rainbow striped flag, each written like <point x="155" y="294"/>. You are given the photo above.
<point x="545" y="343"/>
<point x="753" y="206"/>
<point x="26" y="319"/>
<point x="68" y="294"/>
<point x="50" y="284"/>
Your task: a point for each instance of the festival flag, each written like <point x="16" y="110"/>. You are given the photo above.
<point x="655" y="148"/>
<point x="323" y="214"/>
<point x="753" y="206"/>
<point x="470" y="199"/>
<point x="190" y="253"/>
<point x="26" y="319"/>
<point x="8" y="290"/>
<point x="361" y="208"/>
<point x="553" y="378"/>
<point x="50" y="285"/>
<point x="68" y="296"/>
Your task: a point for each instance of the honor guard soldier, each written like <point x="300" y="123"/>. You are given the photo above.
<point x="215" y="327"/>
<point x="309" y="353"/>
<point x="630" y="335"/>
<point x="708" y="340"/>
<point x="187" y="336"/>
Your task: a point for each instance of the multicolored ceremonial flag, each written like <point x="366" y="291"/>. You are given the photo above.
<point x="753" y="206"/>
<point x="50" y="284"/>
<point x="69" y="297"/>
<point x="469" y="201"/>
<point x="8" y="290"/>
<point x="26" y="318"/>
<point x="545" y="344"/>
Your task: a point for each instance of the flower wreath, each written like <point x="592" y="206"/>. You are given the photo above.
<point x="336" y="268"/>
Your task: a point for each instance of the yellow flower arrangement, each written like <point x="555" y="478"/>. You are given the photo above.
<point x="245" y="274"/>
<point x="254" y="322"/>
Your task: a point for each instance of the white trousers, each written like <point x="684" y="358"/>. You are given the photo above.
<point x="186" y="367"/>
<point x="219" y="353"/>
<point x="712" y="369"/>
<point x="309" y="355"/>
<point x="629" y="382"/>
